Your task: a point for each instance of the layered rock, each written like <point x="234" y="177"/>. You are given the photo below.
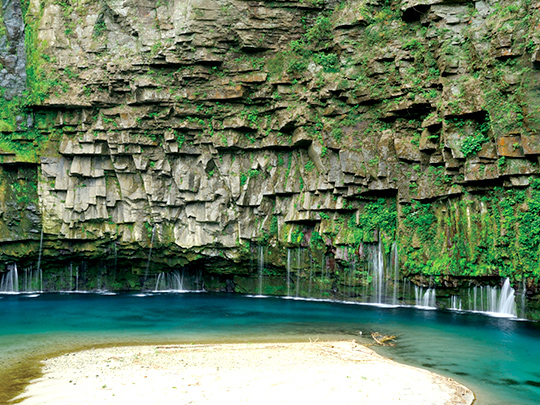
<point x="202" y="128"/>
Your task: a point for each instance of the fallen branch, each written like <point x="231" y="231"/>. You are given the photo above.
<point x="384" y="340"/>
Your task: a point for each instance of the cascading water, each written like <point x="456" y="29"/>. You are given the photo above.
<point x="407" y="289"/>
<point x="323" y="276"/>
<point x="298" y="266"/>
<point x="424" y="299"/>
<point x="352" y="271"/>
<point x="150" y="252"/>
<point x="494" y="300"/>
<point x="395" y="263"/>
<point x="260" y="266"/>
<point x="523" y="297"/>
<point x="39" y="259"/>
<point x="171" y="282"/>
<point x="70" y="276"/>
<point x="77" y="279"/>
<point x="418" y="295"/>
<point x="429" y="298"/>
<point x="455" y="303"/>
<point x="115" y="263"/>
<point x="310" y="278"/>
<point x="507" y="300"/>
<point x="383" y="276"/>
<point x="10" y="280"/>
<point x="377" y="275"/>
<point x="288" y="272"/>
<point x="378" y="282"/>
<point x="32" y="280"/>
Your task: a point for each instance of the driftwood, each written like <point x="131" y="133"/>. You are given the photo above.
<point x="383" y="340"/>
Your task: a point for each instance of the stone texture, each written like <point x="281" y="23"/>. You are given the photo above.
<point x="186" y="117"/>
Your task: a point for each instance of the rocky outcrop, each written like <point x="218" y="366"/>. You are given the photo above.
<point x="203" y="127"/>
<point x="12" y="50"/>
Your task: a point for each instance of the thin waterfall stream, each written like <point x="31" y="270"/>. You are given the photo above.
<point x="39" y="260"/>
<point x="260" y="268"/>
<point x="150" y="253"/>
<point x="288" y="272"/>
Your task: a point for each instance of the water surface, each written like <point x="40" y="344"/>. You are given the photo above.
<point x="497" y="358"/>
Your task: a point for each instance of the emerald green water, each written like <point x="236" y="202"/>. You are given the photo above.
<point x="498" y="358"/>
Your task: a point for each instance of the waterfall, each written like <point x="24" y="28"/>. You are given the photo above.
<point x="507" y="301"/>
<point x="150" y="252"/>
<point x="310" y="276"/>
<point x="395" y="262"/>
<point x="352" y="270"/>
<point x="40" y="249"/>
<point x="365" y="289"/>
<point x="288" y="272"/>
<point x="429" y="298"/>
<point x="260" y="249"/>
<point x="406" y="290"/>
<point x="494" y="300"/>
<point x="103" y="280"/>
<point x="424" y="299"/>
<point x="455" y="303"/>
<point x="31" y="280"/>
<point x="171" y="282"/>
<point x="379" y="275"/>
<point x="10" y="280"/>
<point x="115" y="262"/>
<point x="323" y="275"/>
<point x="523" y="297"/>
<point x="491" y="298"/>
<point x="70" y="276"/>
<point x="298" y="266"/>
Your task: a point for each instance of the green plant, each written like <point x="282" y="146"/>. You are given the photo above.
<point x="309" y="166"/>
<point x="99" y="27"/>
<point x="329" y="62"/>
<point x="243" y="179"/>
<point x="473" y="143"/>
<point x="337" y="133"/>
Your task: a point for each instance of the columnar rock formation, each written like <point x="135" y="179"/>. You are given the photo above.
<point x="205" y="127"/>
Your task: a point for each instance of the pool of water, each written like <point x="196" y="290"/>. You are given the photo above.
<point x="498" y="358"/>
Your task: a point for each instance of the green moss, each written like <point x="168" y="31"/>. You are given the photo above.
<point x="297" y="236"/>
<point x="495" y="235"/>
<point x="376" y="218"/>
<point x="316" y="242"/>
<point x="15" y="136"/>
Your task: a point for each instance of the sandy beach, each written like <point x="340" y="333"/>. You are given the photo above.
<point x="271" y="373"/>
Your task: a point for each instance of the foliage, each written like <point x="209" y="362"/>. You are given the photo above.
<point x="473" y="142"/>
<point x="100" y="27"/>
<point x="310" y="48"/>
<point x="316" y="242"/>
<point x="309" y="166"/>
<point x="376" y="217"/>
<point x="40" y="79"/>
<point x="495" y="235"/>
<point x="297" y="236"/>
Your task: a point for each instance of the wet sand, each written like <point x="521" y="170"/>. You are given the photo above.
<point x="263" y="373"/>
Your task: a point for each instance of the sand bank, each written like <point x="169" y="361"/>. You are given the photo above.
<point x="277" y="373"/>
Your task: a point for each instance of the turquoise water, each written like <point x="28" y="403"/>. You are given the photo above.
<point x="498" y="358"/>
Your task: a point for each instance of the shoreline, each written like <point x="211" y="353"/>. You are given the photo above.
<point x="318" y="372"/>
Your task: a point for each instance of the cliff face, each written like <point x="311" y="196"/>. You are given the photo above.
<point x="203" y="128"/>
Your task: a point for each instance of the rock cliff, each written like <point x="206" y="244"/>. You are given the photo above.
<point x="176" y="134"/>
